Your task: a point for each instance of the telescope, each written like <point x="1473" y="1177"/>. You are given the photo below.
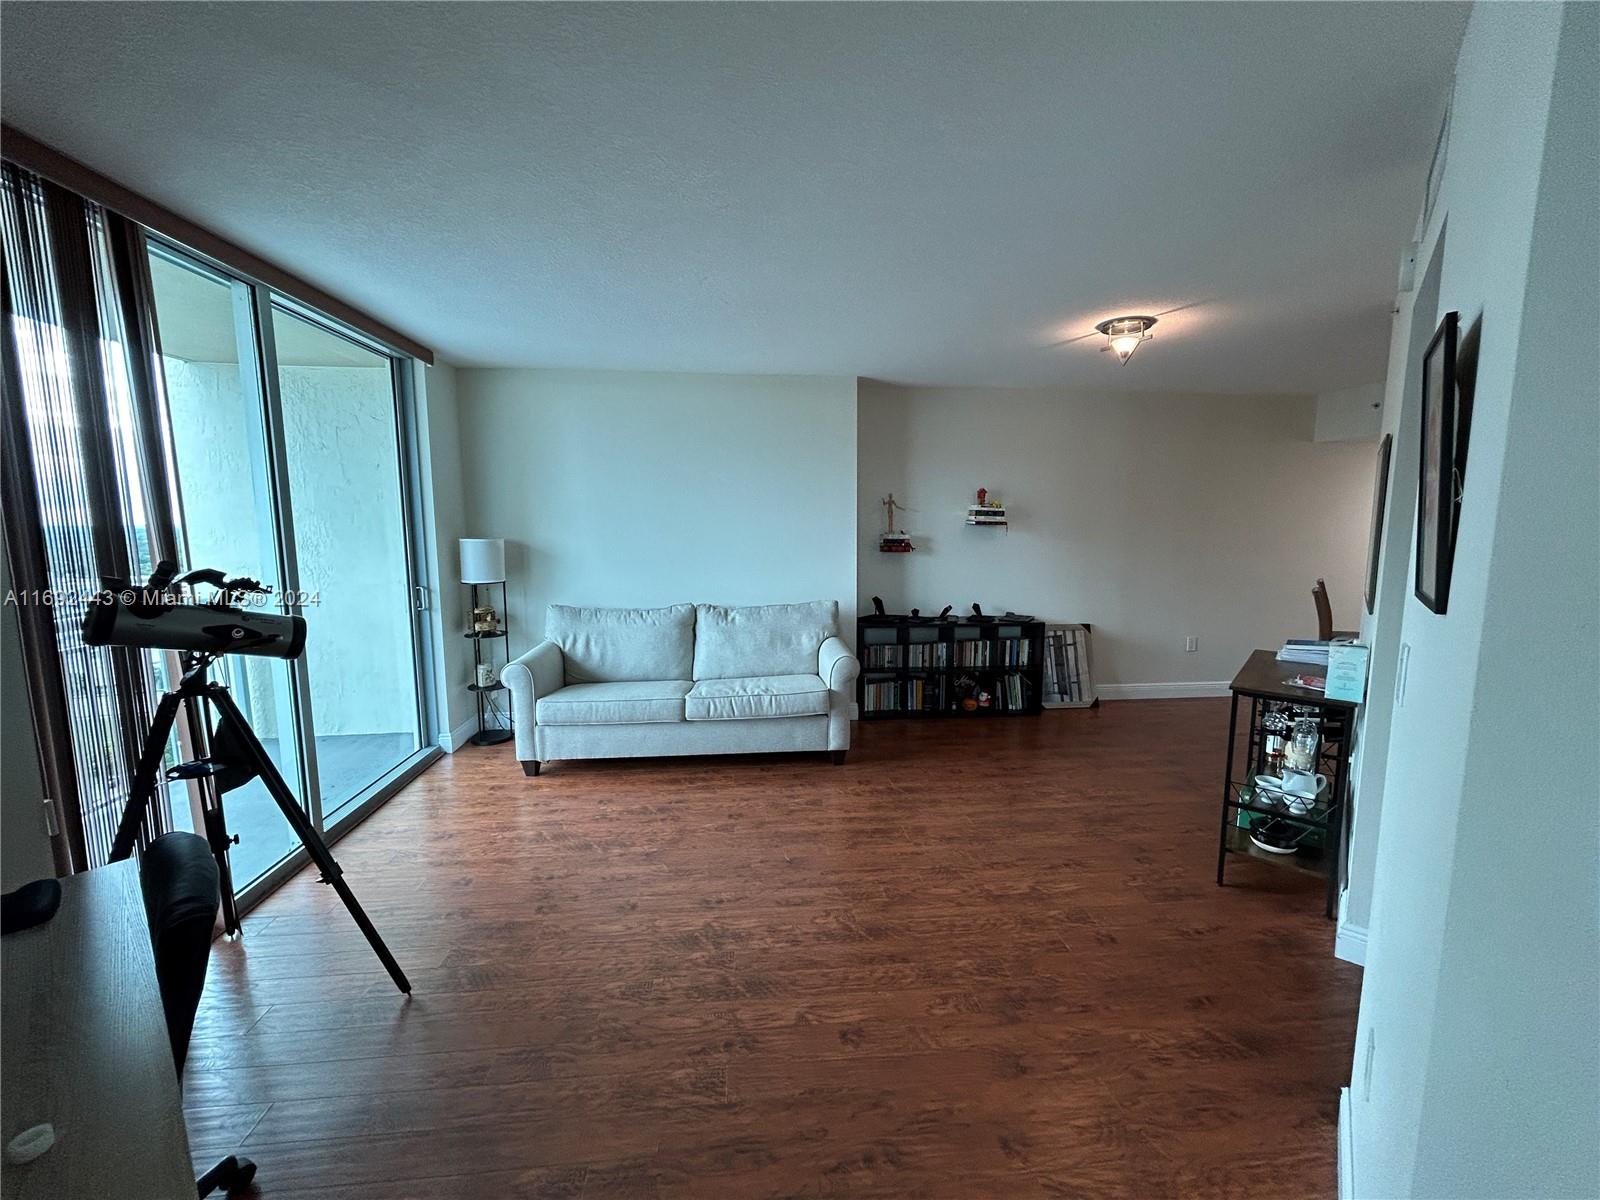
<point x="159" y="617"/>
<point x="156" y="617"/>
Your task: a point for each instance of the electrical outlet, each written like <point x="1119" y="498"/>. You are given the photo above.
<point x="1191" y="644"/>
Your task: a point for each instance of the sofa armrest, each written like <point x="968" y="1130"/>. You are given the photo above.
<point x="539" y="672"/>
<point x="837" y="666"/>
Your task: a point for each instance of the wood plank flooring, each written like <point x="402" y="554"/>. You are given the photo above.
<point x="983" y="959"/>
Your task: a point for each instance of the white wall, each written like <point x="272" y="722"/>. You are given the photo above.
<point x="622" y="488"/>
<point x="1477" y="1065"/>
<point x="1151" y="517"/>
<point x="1412" y="329"/>
<point x="1350" y="414"/>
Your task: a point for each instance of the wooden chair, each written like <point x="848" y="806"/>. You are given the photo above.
<point x="1319" y="596"/>
<point x="1325" y="629"/>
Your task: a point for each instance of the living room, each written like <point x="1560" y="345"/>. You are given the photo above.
<point x="855" y="599"/>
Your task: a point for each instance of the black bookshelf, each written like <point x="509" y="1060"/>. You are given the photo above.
<point x="913" y="667"/>
<point x="494" y="717"/>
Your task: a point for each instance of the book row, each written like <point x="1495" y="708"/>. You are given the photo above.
<point x="1008" y="652"/>
<point x="1010" y="694"/>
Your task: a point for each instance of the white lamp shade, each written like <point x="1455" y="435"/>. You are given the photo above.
<point x="483" y="560"/>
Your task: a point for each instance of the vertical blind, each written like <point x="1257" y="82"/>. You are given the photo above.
<point x="85" y="493"/>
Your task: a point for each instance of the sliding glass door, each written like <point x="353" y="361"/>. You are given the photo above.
<point x="219" y="447"/>
<point x="286" y="436"/>
<point x="342" y="446"/>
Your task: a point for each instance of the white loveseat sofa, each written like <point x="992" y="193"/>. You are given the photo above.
<point x="689" y="679"/>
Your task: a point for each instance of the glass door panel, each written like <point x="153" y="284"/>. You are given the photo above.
<point x="225" y="507"/>
<point x="342" y="448"/>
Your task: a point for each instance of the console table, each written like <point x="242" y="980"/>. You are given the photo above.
<point x="86" y="1049"/>
<point x="1268" y="686"/>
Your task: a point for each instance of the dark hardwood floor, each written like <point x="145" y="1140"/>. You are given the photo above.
<point x="983" y="959"/>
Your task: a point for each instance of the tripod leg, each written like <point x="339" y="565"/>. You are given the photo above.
<point x="217" y="835"/>
<point x="144" y="776"/>
<point x="309" y="837"/>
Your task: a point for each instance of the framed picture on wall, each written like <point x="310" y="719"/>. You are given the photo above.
<point x="1380" y="497"/>
<point x="1437" y="493"/>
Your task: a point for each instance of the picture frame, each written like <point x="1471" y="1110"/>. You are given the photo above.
<point x="1438" y="493"/>
<point x="1380" y="505"/>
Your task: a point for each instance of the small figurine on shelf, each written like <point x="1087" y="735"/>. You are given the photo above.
<point x="983" y="496"/>
<point x="893" y="540"/>
<point x="485" y="619"/>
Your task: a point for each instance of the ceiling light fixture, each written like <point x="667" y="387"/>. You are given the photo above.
<point x="1124" y="335"/>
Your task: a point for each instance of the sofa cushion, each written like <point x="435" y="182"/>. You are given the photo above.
<point x="757" y="696"/>
<point x="612" y="645"/>
<point x="764" y="639"/>
<point x="629" y="702"/>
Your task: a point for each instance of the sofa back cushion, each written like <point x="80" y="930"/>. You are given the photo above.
<point x="764" y="639"/>
<point x="615" y="645"/>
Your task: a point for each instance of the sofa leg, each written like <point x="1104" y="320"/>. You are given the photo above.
<point x="838" y="757"/>
<point x="530" y="768"/>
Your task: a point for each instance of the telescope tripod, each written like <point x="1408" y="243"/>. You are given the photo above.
<point x="237" y="756"/>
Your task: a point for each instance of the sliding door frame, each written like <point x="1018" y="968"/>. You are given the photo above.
<point x="281" y="501"/>
<point x="413" y="510"/>
<point x="261" y="370"/>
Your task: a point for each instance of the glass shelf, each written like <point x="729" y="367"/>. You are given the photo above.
<point x="1248" y="797"/>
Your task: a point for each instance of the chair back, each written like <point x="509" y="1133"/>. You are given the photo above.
<point x="1319" y="596"/>
<point x="180" y="883"/>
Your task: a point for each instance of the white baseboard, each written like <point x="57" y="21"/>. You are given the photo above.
<point x="1350" y="944"/>
<point x="1347" y="1167"/>
<point x="1162" y="691"/>
<point x="456" y="738"/>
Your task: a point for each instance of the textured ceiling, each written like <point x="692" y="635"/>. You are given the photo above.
<point x="920" y="193"/>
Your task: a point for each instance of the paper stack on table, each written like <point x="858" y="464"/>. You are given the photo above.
<point x="1304" y="650"/>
